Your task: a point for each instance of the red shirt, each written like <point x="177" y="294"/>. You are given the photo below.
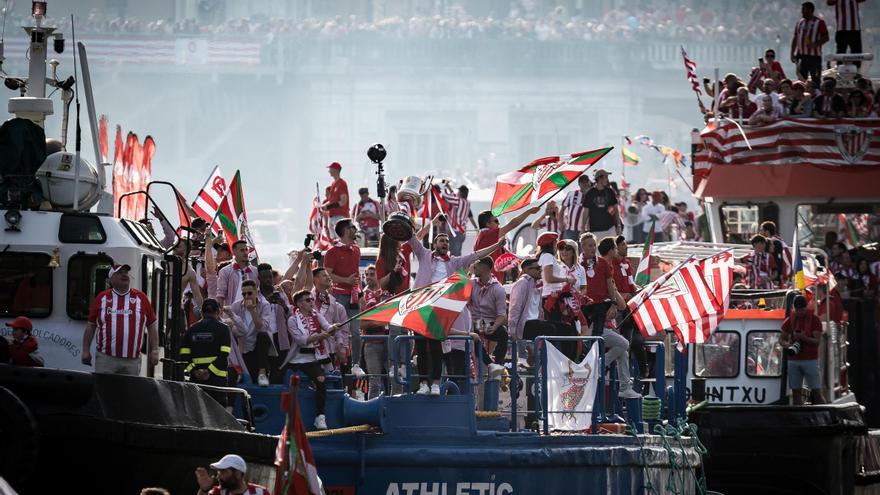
<point x="334" y="195"/>
<point x="370" y="206"/>
<point x="486" y="238"/>
<point x="598" y="273"/>
<point x="120" y="320"/>
<point x="20" y="352"/>
<point x="811" y="326"/>
<point x="623" y="276"/>
<point x="344" y="260"/>
<point x="404" y="260"/>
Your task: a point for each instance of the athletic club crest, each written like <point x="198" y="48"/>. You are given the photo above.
<point x="421" y="298"/>
<point x="543" y="172"/>
<point x="852" y="142"/>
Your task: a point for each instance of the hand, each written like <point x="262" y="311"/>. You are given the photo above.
<point x="205" y="481"/>
<point x="86" y="357"/>
<point x="612" y="312"/>
<point x="351" y="279"/>
<point x="501" y="242"/>
<point x="798" y="335"/>
<point x="250" y="304"/>
<point x="154" y="357"/>
<point x="571" y="280"/>
<point x="333" y="328"/>
<point x="225" y="311"/>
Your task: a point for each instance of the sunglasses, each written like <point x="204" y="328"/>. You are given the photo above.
<point x="248" y="293"/>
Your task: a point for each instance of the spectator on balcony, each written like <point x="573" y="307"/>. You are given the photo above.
<point x="767" y="114"/>
<point x="770" y="67"/>
<point x="858" y="107"/>
<point x="829" y="104"/>
<point x="848" y="26"/>
<point x="810" y="33"/>
<point x="742" y="107"/>
<point x="801" y="102"/>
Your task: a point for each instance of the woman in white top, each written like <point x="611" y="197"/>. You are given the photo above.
<point x="553" y="273"/>
<point x="567" y="254"/>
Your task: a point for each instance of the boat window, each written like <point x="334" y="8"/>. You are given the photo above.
<point x="763" y="354"/>
<point x="26" y="288"/>
<point x="854" y="223"/>
<point x="79" y="228"/>
<point x="740" y="222"/>
<point x="86" y="278"/>
<point x="718" y="357"/>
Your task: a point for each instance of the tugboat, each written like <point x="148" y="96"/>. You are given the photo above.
<point x="132" y="432"/>
<point x="804" y="175"/>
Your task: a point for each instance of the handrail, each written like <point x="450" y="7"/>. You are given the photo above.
<point x="395" y="347"/>
<point x="246" y="402"/>
<point x="541" y="357"/>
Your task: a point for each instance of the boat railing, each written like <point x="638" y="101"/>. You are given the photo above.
<point x="247" y="407"/>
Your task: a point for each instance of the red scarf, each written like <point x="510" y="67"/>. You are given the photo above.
<point x="313" y="326"/>
<point x="247" y="268"/>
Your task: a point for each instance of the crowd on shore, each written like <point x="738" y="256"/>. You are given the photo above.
<point x="767" y="22"/>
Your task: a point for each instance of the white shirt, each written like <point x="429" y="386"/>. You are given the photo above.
<point x="533" y="310"/>
<point x="651" y="209"/>
<point x="559" y="271"/>
<point x="577" y="271"/>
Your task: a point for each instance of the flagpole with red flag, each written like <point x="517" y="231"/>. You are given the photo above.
<point x="296" y="472"/>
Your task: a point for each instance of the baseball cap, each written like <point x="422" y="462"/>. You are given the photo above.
<point x="800" y="302"/>
<point x="547" y="239"/>
<point x="363" y="190"/>
<point x="601" y="172"/>
<point x="335" y="165"/>
<point x="231" y="461"/>
<point x="22" y="322"/>
<point x="116" y="267"/>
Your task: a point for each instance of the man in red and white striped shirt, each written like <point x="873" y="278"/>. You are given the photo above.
<point x="848" y="25"/>
<point x="810" y="33"/>
<point x="119" y="315"/>
<point x="573" y="210"/>
<point x="460" y="214"/>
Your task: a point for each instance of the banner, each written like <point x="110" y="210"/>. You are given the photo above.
<point x="571" y="389"/>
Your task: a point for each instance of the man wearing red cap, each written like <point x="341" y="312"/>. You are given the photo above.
<point x="119" y="315"/>
<point x="23" y="349"/>
<point x="336" y="196"/>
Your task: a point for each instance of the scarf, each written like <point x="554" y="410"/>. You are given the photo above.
<point x="313" y="327"/>
<point x="246" y="269"/>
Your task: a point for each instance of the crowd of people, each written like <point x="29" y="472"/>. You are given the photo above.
<point x="769" y="94"/>
<point x="521" y="20"/>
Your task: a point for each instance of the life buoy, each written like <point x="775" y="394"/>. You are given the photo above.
<point x="19" y="439"/>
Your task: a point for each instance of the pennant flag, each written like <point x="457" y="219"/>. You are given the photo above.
<point x="210" y="196"/>
<point x="119" y="182"/>
<point x="233" y="218"/>
<point x="629" y="158"/>
<point x="296" y="472"/>
<point x="102" y="137"/>
<point x="849" y="229"/>
<point x="690" y="68"/>
<point x="800" y="282"/>
<point x="627" y="139"/>
<point x="544" y="176"/>
<point x="318" y="226"/>
<point x="686" y="299"/>
<point x="429" y="311"/>
<point x="643" y="273"/>
<point x="571" y="389"/>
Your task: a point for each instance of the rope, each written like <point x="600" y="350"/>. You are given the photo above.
<point x="651" y="408"/>
<point x="339" y="431"/>
<point x="489" y="414"/>
<point x="648" y="487"/>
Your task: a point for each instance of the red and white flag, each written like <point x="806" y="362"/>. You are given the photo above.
<point x="318" y="226"/>
<point x="208" y="201"/>
<point x="690" y="68"/>
<point x="690" y="299"/>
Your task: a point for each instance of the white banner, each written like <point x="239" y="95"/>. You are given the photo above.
<point x="571" y="389"/>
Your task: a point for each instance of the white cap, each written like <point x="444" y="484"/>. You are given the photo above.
<point x="231" y="461"/>
<point x="116" y="268"/>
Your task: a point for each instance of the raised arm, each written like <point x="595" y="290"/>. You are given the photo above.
<point x="517" y="220"/>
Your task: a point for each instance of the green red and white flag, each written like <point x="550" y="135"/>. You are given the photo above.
<point x="643" y="273"/>
<point x="629" y="157"/>
<point x="295" y="472"/>
<point x="429" y="311"/>
<point x="849" y="229"/>
<point x="541" y="178"/>
<point x="232" y="217"/>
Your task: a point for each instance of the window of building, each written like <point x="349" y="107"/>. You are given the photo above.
<point x="80" y="228"/>
<point x="764" y="354"/>
<point x="718" y="357"/>
<point x="86" y="278"/>
<point x="26" y="288"/>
